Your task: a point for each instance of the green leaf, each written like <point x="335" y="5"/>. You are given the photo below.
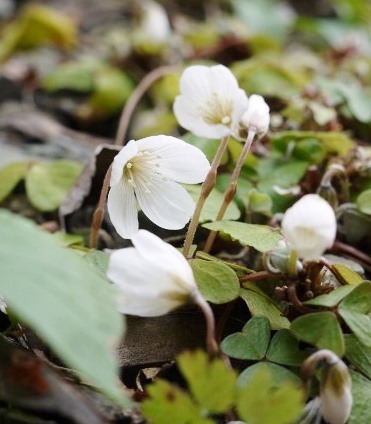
<point x="331" y="299"/>
<point x="112" y="89"/>
<point x="98" y="261"/>
<point x="333" y="142"/>
<point x="355" y="310"/>
<point x="76" y="76"/>
<point x="208" y="147"/>
<point x="261" y="401"/>
<point x="251" y="343"/>
<point x="361" y="391"/>
<point x="51" y="290"/>
<point x="212" y="384"/>
<point x="262" y="305"/>
<point x="47" y="184"/>
<point x="217" y="282"/>
<point x="279" y="374"/>
<point x="260" y="237"/>
<point x="10" y="176"/>
<point x="284" y="349"/>
<point x="168" y="403"/>
<point x="358" y="354"/>
<point x="67" y="240"/>
<point x="350" y="276"/>
<point x="364" y="202"/>
<point x="320" y="329"/>
<point x="212" y="204"/>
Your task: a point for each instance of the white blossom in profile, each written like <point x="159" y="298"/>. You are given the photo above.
<point x="154" y="277"/>
<point x="309" y="226"/>
<point x="256" y="117"/>
<point x="336" y="393"/>
<point x="146" y="172"/>
<point x="154" y="22"/>
<point x="210" y="103"/>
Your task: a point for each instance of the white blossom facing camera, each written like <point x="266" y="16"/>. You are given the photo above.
<point x="154" y="277"/>
<point x="309" y="226"/>
<point x="210" y="103"/>
<point x="146" y="172"/>
<point x="256" y="116"/>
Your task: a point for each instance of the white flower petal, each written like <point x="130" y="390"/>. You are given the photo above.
<point x="177" y="159"/>
<point x="256" y="115"/>
<point x="208" y="96"/>
<point x="126" y="153"/>
<point x="310" y="226"/>
<point x="167" y="204"/>
<point x="122" y="209"/>
<point x="165" y="256"/>
<point x="134" y="275"/>
<point x="146" y="306"/>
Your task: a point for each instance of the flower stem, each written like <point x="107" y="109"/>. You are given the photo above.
<point x="231" y="190"/>
<point x="211" y="344"/>
<point x="206" y="188"/>
<point x="135" y="98"/>
<point x="99" y="211"/>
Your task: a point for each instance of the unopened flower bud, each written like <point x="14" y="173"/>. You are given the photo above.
<point x="336" y="396"/>
<point x="309" y="226"/>
<point x="257" y="115"/>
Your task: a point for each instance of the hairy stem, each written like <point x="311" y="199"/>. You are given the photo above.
<point x="99" y="211"/>
<point x="206" y="188"/>
<point x="135" y="98"/>
<point x="231" y="190"/>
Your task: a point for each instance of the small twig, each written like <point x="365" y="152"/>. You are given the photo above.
<point x="135" y="98"/>
<point x="352" y="251"/>
<point x="99" y="211"/>
<point x="206" y="188"/>
<point x="231" y="190"/>
<point x="257" y="276"/>
<point x="296" y="302"/>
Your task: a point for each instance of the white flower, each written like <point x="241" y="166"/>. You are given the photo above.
<point x="336" y="395"/>
<point x="154" y="276"/>
<point x="257" y="115"/>
<point x="210" y="103"/>
<point x="145" y="171"/>
<point x="310" y="226"/>
<point x="154" y="21"/>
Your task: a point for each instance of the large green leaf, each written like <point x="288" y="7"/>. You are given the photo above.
<point x="355" y="310"/>
<point x="261" y="401"/>
<point x="251" y="343"/>
<point x="284" y="349"/>
<point x="10" y="176"/>
<point x="260" y="237"/>
<point x="279" y="374"/>
<point x="212" y="383"/>
<point x="53" y="291"/>
<point x="260" y="304"/>
<point x="361" y="391"/>
<point x="47" y="184"/>
<point x="364" y="202"/>
<point x="217" y="282"/>
<point x="331" y="299"/>
<point x="358" y="354"/>
<point x="168" y="403"/>
<point x="320" y="329"/>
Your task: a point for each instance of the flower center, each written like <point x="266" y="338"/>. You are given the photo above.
<point x="141" y="170"/>
<point x="217" y="111"/>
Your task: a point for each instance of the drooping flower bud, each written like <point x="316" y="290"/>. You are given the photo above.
<point x="309" y="226"/>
